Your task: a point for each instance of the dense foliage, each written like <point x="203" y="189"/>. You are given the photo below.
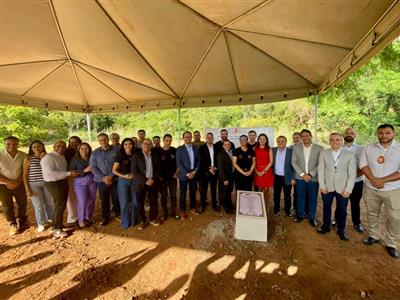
<point x="368" y="97"/>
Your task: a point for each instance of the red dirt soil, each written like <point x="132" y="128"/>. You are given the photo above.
<point x="195" y="259"/>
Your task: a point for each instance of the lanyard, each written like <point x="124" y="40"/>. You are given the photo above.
<point x="336" y="161"/>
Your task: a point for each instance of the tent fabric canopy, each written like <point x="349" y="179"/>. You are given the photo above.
<point x="108" y="55"/>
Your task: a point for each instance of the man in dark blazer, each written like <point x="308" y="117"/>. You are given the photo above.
<point x="145" y="169"/>
<point x="208" y="172"/>
<point x="225" y="179"/>
<point x="284" y="174"/>
<point x="188" y="163"/>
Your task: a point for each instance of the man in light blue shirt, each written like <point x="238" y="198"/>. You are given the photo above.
<point x="101" y="161"/>
<point x="284" y="175"/>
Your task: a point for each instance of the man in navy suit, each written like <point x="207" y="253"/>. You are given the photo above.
<point x="284" y="174"/>
<point x="188" y="163"/>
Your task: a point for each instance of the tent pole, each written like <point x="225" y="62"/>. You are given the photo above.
<point x="316" y="118"/>
<point x="88" y="128"/>
<point x="179" y="125"/>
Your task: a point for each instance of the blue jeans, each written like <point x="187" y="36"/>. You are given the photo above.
<point x="304" y="188"/>
<point x="341" y="210"/>
<point x="183" y="185"/>
<point x="127" y="202"/>
<point x="42" y="203"/>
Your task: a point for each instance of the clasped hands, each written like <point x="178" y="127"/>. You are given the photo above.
<point x="344" y="193"/>
<point x="377" y="182"/>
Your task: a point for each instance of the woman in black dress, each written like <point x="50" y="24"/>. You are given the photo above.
<point x="244" y="162"/>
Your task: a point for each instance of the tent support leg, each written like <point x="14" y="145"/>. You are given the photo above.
<point x="88" y="124"/>
<point x="316" y="118"/>
<point x="179" y="125"/>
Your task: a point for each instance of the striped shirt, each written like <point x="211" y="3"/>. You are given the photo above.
<point x="35" y="170"/>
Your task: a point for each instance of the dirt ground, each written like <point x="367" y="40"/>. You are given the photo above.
<point x="195" y="259"/>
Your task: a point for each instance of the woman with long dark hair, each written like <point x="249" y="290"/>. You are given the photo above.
<point x="264" y="177"/>
<point x="84" y="185"/>
<point x="123" y="169"/>
<point x="42" y="201"/>
<point x="244" y="162"/>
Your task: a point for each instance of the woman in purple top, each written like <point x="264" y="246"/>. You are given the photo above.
<point x="84" y="185"/>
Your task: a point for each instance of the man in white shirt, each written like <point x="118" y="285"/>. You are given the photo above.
<point x="11" y="161"/>
<point x="55" y="174"/>
<point x="305" y="163"/>
<point x="208" y="173"/>
<point x="336" y="177"/>
<point x="380" y="163"/>
<point x="356" y="195"/>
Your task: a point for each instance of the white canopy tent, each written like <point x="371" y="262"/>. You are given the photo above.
<point x="108" y="55"/>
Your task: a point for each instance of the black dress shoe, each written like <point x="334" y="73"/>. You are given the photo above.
<point x="343" y="236"/>
<point x="323" y="230"/>
<point x="298" y="220"/>
<point x="392" y="252"/>
<point x="313" y="223"/>
<point x="370" y="241"/>
<point x="216" y="208"/>
<point x="359" y="228"/>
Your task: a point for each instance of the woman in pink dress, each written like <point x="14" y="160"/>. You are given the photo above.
<point x="264" y="177"/>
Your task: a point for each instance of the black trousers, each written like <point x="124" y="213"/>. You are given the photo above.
<point x="59" y="191"/>
<point x="355" y="198"/>
<point x="243" y="183"/>
<point x="152" y="194"/>
<point x="205" y="180"/>
<point x="168" y="190"/>
<point x="226" y="194"/>
<point x="279" y="185"/>
<point x="6" y="198"/>
<point x="105" y="191"/>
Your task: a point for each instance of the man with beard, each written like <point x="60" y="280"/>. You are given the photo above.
<point x="356" y="195"/>
<point x="305" y="162"/>
<point x="380" y="163"/>
<point x="224" y="137"/>
<point x="218" y="147"/>
<point x="197" y="142"/>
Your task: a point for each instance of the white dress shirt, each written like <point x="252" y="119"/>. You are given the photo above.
<point x="307" y="153"/>
<point x="54" y="167"/>
<point x="211" y="150"/>
<point x="11" y="167"/>
<point x="336" y="156"/>
<point x="391" y="164"/>
<point x="356" y="149"/>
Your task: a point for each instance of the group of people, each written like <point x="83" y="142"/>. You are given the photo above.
<point x="136" y="172"/>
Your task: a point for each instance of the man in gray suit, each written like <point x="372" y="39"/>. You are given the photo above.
<point x="305" y="163"/>
<point x="337" y="171"/>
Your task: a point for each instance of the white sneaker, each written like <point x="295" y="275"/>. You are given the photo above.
<point x="58" y="233"/>
<point x="41" y="228"/>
